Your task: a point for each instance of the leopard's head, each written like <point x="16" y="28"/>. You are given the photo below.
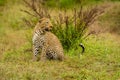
<point x="45" y="24"/>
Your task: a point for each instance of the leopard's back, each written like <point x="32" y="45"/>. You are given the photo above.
<point x="54" y="49"/>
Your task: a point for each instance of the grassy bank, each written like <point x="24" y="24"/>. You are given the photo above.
<point x="101" y="60"/>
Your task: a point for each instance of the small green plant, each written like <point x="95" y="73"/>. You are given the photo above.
<point x="69" y="35"/>
<point x="71" y="29"/>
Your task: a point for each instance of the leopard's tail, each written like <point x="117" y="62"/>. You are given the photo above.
<point x="83" y="48"/>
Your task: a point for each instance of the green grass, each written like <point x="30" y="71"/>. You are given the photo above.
<point x="73" y="3"/>
<point x="101" y="60"/>
<point x="62" y="3"/>
<point x="2" y="2"/>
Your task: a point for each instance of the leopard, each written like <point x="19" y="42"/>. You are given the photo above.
<point x="45" y="43"/>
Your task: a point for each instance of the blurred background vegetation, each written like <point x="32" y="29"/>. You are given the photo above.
<point x="101" y="59"/>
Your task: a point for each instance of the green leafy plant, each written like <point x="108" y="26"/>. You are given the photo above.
<point x="71" y="29"/>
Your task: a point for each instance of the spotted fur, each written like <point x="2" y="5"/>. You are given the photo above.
<point x="46" y="43"/>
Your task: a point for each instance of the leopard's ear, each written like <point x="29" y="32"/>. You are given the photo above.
<point x="40" y="20"/>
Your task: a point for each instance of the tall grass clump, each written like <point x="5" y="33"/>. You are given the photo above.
<point x="71" y="28"/>
<point x="69" y="25"/>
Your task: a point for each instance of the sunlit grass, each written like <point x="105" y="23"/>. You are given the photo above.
<point x="101" y="60"/>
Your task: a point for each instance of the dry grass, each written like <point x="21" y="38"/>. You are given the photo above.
<point x="11" y="40"/>
<point x="110" y="20"/>
<point x="101" y="60"/>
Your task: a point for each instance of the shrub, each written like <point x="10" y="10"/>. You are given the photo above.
<point x="71" y="29"/>
<point x="70" y="26"/>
